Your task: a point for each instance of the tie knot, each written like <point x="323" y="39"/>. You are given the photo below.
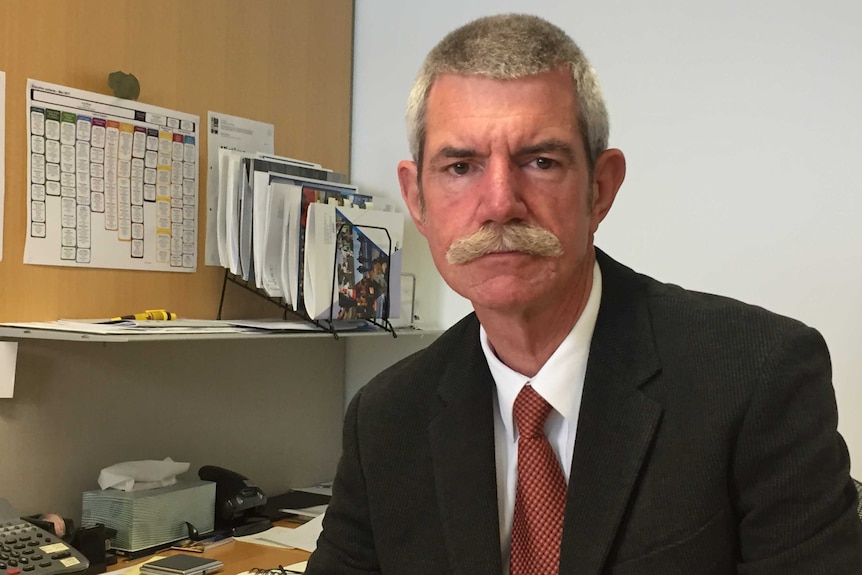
<point x="530" y="412"/>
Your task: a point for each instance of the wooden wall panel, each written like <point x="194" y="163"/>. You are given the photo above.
<point x="287" y="62"/>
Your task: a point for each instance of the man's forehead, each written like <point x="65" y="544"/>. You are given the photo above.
<point x="561" y="74"/>
<point x="456" y="94"/>
<point x="464" y="111"/>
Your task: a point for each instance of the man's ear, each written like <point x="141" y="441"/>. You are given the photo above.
<point x="407" y="178"/>
<point x="608" y="176"/>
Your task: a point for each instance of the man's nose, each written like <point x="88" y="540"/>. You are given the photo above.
<point x="502" y="196"/>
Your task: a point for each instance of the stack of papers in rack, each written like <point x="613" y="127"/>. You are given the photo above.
<point x="296" y="232"/>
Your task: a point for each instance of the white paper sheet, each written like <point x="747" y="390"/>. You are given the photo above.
<point x="312" y="511"/>
<point x="111" y="183"/>
<point x="2" y="155"/>
<point x="303" y="537"/>
<point x="246" y="213"/>
<point x="232" y="133"/>
<point x="221" y="208"/>
<point x="274" y="324"/>
<point x="260" y="206"/>
<point x="274" y="231"/>
<point x="231" y="189"/>
<point x="128" y="329"/>
<point x="8" y="360"/>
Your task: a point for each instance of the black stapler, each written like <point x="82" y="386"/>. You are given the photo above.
<point x="240" y="504"/>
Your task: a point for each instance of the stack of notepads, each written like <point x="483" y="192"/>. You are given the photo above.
<point x="153" y="517"/>
<point x="317" y="244"/>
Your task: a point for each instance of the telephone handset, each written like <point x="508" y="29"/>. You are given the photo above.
<point x="29" y="550"/>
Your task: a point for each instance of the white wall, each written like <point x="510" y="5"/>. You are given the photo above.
<point x="270" y="409"/>
<point x="742" y="125"/>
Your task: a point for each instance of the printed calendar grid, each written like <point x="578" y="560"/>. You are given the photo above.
<point x="106" y="171"/>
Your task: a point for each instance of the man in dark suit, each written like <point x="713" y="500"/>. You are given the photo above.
<point x="585" y="419"/>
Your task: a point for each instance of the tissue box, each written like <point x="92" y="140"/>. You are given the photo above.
<point x="153" y="517"/>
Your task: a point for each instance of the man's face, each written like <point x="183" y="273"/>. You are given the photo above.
<point x="498" y="152"/>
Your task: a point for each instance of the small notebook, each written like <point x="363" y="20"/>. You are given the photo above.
<point x="182" y="565"/>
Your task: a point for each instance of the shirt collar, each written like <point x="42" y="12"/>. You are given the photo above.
<point x="560" y="380"/>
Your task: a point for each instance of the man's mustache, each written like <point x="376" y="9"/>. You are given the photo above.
<point x="516" y="236"/>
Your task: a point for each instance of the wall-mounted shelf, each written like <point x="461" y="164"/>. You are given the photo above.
<point x="58" y="335"/>
<point x="326" y="326"/>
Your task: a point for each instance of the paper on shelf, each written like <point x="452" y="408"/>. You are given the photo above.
<point x="234" y="133"/>
<point x="246" y="222"/>
<point x="259" y="195"/>
<point x="2" y="153"/>
<point x="231" y="188"/>
<point x="275" y="324"/>
<point x="275" y="228"/>
<point x="125" y="329"/>
<point x="290" y="243"/>
<point x="8" y="359"/>
<point x="221" y="209"/>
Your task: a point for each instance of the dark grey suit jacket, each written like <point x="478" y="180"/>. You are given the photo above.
<point x="706" y="444"/>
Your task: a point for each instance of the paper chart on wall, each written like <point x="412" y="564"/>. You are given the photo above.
<point x="2" y="155"/>
<point x="112" y="183"/>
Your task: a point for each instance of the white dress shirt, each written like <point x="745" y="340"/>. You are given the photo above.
<point x="560" y="381"/>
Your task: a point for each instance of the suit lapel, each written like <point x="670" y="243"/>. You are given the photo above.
<point x="616" y="424"/>
<point x="462" y="447"/>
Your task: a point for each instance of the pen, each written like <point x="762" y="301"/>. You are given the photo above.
<point x="151" y="314"/>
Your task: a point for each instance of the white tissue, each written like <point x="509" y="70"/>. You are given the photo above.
<point x="140" y="475"/>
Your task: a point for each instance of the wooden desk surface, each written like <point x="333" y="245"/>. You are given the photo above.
<point x="237" y="556"/>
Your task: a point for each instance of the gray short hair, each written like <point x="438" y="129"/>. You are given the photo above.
<point x="510" y="46"/>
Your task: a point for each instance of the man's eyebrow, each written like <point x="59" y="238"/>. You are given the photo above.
<point x="547" y="146"/>
<point x="544" y="147"/>
<point x="448" y="152"/>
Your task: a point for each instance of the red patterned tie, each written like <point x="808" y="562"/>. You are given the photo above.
<point x="540" y="495"/>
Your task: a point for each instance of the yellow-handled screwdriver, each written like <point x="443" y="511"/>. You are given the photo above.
<point x="150" y="314"/>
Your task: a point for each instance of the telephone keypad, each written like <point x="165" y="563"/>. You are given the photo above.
<point x="25" y="547"/>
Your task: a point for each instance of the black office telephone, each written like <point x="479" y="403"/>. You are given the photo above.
<point x="240" y="505"/>
<point x="29" y="550"/>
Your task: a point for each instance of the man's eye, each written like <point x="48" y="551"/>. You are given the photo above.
<point x="460" y="169"/>
<point x="544" y="163"/>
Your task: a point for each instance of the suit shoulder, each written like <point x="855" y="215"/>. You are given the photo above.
<point x="682" y="307"/>
<point x="716" y="310"/>
<point x="417" y="375"/>
<point x="721" y="328"/>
